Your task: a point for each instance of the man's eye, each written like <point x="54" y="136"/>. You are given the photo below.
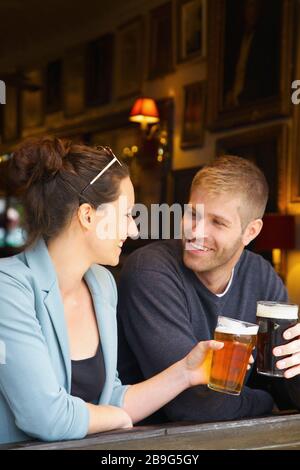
<point x="217" y="222"/>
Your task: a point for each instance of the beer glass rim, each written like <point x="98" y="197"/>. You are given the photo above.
<point x="246" y="323"/>
<point x="273" y="303"/>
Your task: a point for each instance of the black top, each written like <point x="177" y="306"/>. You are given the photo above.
<point x="88" y="377"/>
<point x="164" y="310"/>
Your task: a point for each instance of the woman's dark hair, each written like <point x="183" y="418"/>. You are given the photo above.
<point x="50" y="174"/>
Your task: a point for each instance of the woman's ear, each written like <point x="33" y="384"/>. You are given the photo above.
<point x="85" y="216"/>
<point x="252" y="230"/>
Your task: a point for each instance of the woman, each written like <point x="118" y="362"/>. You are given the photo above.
<point x="58" y="306"/>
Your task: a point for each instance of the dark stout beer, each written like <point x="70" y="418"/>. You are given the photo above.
<point x="229" y="364"/>
<point x="273" y="319"/>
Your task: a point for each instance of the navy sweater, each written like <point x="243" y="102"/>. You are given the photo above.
<point x="164" y="310"/>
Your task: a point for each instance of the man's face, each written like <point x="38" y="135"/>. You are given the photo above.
<point x="220" y="244"/>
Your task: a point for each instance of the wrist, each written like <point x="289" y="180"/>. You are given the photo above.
<point x="184" y="373"/>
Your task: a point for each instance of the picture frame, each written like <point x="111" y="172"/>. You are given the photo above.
<point x="53" y="87"/>
<point x="73" y="82"/>
<point x="294" y="166"/>
<point x="33" y="102"/>
<point x="182" y="181"/>
<point x="192" y="29"/>
<point x="266" y="146"/>
<point x="161" y="60"/>
<point x="129" y="58"/>
<point x="294" y="175"/>
<point x="193" y="116"/>
<point x="99" y="63"/>
<point x="10" y="115"/>
<point x="250" y="51"/>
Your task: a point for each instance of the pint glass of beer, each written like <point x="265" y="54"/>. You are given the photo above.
<point x="273" y="318"/>
<point x="229" y="364"/>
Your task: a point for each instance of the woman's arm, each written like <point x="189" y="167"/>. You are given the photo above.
<point x="145" y="398"/>
<point x="107" y="418"/>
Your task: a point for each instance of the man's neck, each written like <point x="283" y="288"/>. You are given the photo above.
<point x="217" y="280"/>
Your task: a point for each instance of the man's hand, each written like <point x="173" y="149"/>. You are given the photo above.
<point x="291" y="363"/>
<point x="251" y="360"/>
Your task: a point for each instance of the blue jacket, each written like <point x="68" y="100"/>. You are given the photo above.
<point x="35" y="371"/>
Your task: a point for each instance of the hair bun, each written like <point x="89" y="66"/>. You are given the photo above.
<point x="35" y="160"/>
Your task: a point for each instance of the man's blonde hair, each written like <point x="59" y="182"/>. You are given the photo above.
<point x="238" y="177"/>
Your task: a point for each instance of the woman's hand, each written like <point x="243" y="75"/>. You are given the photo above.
<point x="197" y="362"/>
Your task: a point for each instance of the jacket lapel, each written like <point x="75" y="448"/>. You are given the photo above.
<point x="54" y="306"/>
<point x="106" y="319"/>
<point x="40" y="262"/>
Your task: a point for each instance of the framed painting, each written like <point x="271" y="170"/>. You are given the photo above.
<point x="193" y="119"/>
<point x="161" y="41"/>
<point x="73" y="82"/>
<point x="129" y="58"/>
<point x="267" y="148"/>
<point x="99" y="70"/>
<point x="294" y="167"/>
<point x="53" y="92"/>
<point x="32" y="101"/>
<point x="250" y="51"/>
<point x="191" y="29"/>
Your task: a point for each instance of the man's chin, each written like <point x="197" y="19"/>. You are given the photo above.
<point x="195" y="264"/>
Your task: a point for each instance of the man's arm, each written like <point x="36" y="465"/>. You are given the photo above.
<point x="154" y="313"/>
<point x="286" y="391"/>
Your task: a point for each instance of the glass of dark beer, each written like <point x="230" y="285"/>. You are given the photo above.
<point x="229" y="364"/>
<point x="273" y="318"/>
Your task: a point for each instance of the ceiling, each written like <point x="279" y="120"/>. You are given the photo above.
<point x="33" y="29"/>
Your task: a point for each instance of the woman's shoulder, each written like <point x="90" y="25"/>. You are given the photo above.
<point x="15" y="270"/>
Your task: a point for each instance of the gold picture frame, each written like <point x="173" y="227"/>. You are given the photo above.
<point x="129" y="58"/>
<point x="192" y="29"/>
<point x="249" y="70"/>
<point x="193" y="117"/>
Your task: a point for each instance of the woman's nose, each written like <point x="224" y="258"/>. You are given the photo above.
<point x="132" y="229"/>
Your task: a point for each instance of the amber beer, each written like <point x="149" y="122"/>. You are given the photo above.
<point x="273" y="318"/>
<point x="229" y="364"/>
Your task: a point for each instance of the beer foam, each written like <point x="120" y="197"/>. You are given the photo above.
<point x="277" y="310"/>
<point x="234" y="327"/>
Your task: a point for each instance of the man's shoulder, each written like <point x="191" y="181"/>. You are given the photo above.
<point x="256" y="269"/>
<point x="252" y="260"/>
<point x="156" y="256"/>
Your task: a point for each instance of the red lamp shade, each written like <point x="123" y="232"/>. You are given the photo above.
<point x="144" y="110"/>
<point x="278" y="232"/>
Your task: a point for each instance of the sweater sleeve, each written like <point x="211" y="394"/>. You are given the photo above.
<point x="153" y="310"/>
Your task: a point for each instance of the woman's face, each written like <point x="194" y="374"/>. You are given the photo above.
<point x="111" y="225"/>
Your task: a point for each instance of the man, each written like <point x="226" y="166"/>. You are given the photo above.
<point x="171" y="293"/>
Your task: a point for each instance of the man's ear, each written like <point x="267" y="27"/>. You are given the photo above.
<point x="252" y="230"/>
<point x="85" y="216"/>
